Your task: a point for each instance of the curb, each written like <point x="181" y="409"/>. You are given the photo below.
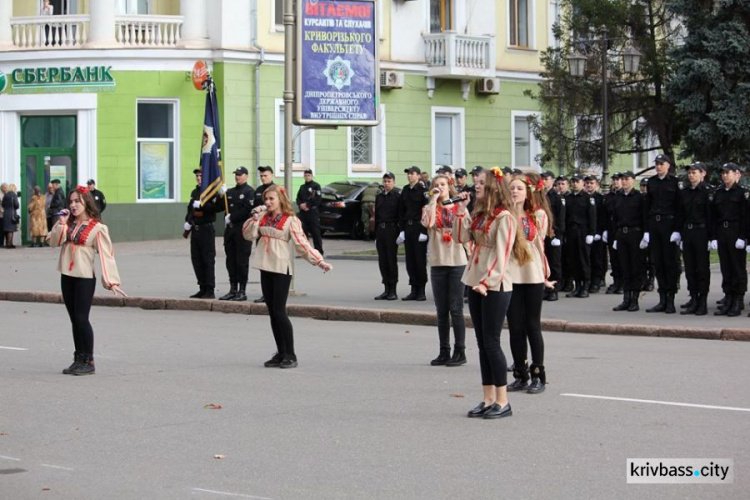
<point x="335" y="313"/>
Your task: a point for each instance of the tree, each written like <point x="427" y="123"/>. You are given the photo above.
<point x="570" y="128"/>
<point x="710" y="87"/>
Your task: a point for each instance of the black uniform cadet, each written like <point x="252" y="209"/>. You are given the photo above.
<point x="629" y="219"/>
<point x="649" y="272"/>
<point x="266" y="181"/>
<point x="200" y="222"/>
<point x="310" y="194"/>
<point x="466" y="188"/>
<point x="553" y="245"/>
<point x="695" y="205"/>
<point x="412" y="200"/>
<point x="240" y="202"/>
<point x="386" y="232"/>
<point x="728" y="235"/>
<point x="598" y="247"/>
<point x="663" y="210"/>
<point x="614" y="261"/>
<point x="580" y="228"/>
<point x="101" y="201"/>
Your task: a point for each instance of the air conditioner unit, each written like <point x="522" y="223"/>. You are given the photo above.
<point x="488" y="86"/>
<point x="391" y="79"/>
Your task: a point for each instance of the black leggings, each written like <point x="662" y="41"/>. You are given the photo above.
<point x="275" y="287"/>
<point x="448" y="292"/>
<point x="488" y="315"/>
<point x="525" y="322"/>
<point x="78" y="293"/>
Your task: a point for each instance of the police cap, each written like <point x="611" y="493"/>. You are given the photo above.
<point x="241" y="171"/>
<point x="478" y="169"/>
<point x="730" y="166"/>
<point x="628" y="174"/>
<point x="547" y="174"/>
<point x="460" y="172"/>
<point x="265" y="168"/>
<point x="389" y="175"/>
<point x="413" y="170"/>
<point x="697" y="166"/>
<point x="662" y="158"/>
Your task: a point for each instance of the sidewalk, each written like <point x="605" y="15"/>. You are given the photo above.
<point x="162" y="269"/>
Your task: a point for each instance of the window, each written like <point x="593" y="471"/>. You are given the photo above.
<point x="61" y="7"/>
<point x="133" y="6"/>
<point x="526" y="147"/>
<point x="156" y="149"/>
<point x="366" y="148"/>
<point x="278" y="13"/>
<point x="303" y="148"/>
<point x="589" y="144"/>
<point x="441" y="15"/>
<point x="447" y="137"/>
<point x="519" y="23"/>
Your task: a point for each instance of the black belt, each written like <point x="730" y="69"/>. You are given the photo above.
<point x="659" y="217"/>
<point x="197" y="227"/>
<point x="690" y="225"/>
<point x="413" y="222"/>
<point x="629" y="229"/>
<point x="726" y="223"/>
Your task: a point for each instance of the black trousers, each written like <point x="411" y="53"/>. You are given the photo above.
<point x="275" y="287"/>
<point x="311" y="225"/>
<point x="416" y="253"/>
<point x="385" y="243"/>
<point x="598" y="261"/>
<point x="203" y="254"/>
<point x="238" y="251"/>
<point x="731" y="261"/>
<point x="614" y="260"/>
<point x="665" y="255"/>
<point x="448" y="291"/>
<point x="578" y="253"/>
<point x="697" y="259"/>
<point x="631" y="259"/>
<point x="78" y="293"/>
<point x="525" y="323"/>
<point x="488" y="315"/>
<point x="554" y="259"/>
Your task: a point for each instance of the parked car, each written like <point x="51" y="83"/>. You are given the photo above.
<point x="341" y="207"/>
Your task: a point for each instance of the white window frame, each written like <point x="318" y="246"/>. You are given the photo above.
<point x="276" y="28"/>
<point x="122" y="7"/>
<point x="307" y="146"/>
<point x="532" y="27"/>
<point x="553" y="14"/>
<point x="175" y="148"/>
<point x="459" y="136"/>
<point x="535" y="146"/>
<point x="458" y="14"/>
<point x="378" y="166"/>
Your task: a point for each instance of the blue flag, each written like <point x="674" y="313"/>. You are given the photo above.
<point x="211" y="166"/>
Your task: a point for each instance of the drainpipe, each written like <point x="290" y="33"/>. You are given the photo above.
<point x="254" y="43"/>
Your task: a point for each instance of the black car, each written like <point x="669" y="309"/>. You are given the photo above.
<point x="341" y="207"/>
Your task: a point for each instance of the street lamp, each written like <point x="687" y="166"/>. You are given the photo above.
<point x="577" y="67"/>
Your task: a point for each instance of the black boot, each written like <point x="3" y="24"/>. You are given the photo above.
<point x="538" y="379"/>
<point x="625" y="304"/>
<point x="633" y="307"/>
<point x="260" y="300"/>
<point x="231" y="294"/>
<point x="77" y="359"/>
<point x="412" y="295"/>
<point x="724" y="307"/>
<point x="458" y="358"/>
<point x="594" y="287"/>
<point x="392" y="292"/>
<point x="85" y="367"/>
<point x="199" y="293"/>
<point x="521" y="382"/>
<point x="736" y="308"/>
<point x="208" y="293"/>
<point x="701" y="307"/>
<point x="443" y="357"/>
<point x="611" y="288"/>
<point x="669" y="304"/>
<point x="421" y="297"/>
<point x="723" y="300"/>
<point x="241" y="295"/>
<point x="661" y="306"/>
<point x="385" y="293"/>
<point x="575" y="291"/>
<point x="690" y="303"/>
<point x="567" y="286"/>
<point x="583" y="291"/>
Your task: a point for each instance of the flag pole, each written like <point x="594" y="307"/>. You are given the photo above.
<point x="210" y="87"/>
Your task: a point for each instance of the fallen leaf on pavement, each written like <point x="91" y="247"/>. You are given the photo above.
<point x="212" y="406"/>
<point x="219" y="457"/>
<point x="457" y="395"/>
<point x="336" y="356"/>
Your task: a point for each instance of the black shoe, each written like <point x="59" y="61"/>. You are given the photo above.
<point x="723" y="300"/>
<point x="611" y="289"/>
<point x="669" y="305"/>
<point x="497" y="411"/>
<point x="442" y="358"/>
<point x="479" y="410"/>
<point x="633" y="307"/>
<point x="573" y="293"/>
<point x="412" y="295"/>
<point x="260" y="300"/>
<point x="85" y="366"/>
<point x="690" y="303"/>
<point x="274" y="362"/>
<point x="594" y="288"/>
<point x="583" y="290"/>
<point x="229" y="296"/>
<point x="239" y="297"/>
<point x="288" y="363"/>
<point x="208" y="294"/>
<point x="76" y="362"/>
<point x="421" y="297"/>
<point x="625" y="304"/>
<point x="735" y="307"/>
<point x="552" y="296"/>
<point x="567" y="287"/>
<point x="518" y="384"/>
<point x="701" y="308"/>
<point x="535" y="387"/>
<point x="458" y="358"/>
<point x="691" y="306"/>
<point x="384" y="295"/>
<point x="661" y="306"/>
<point x="198" y="294"/>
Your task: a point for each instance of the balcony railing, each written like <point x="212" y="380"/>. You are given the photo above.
<point x="450" y="55"/>
<point x="68" y="32"/>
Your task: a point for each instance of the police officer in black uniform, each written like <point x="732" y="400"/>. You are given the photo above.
<point x="695" y="202"/>
<point x="99" y="198"/>
<point x="240" y="201"/>
<point x="308" y="201"/>
<point x="566" y="285"/>
<point x="553" y="244"/>
<point x="729" y="237"/>
<point x="387" y="204"/>
<point x="199" y="221"/>
<point x="462" y="186"/>
<point x="649" y="272"/>
<point x="415" y="235"/>
<point x="580" y="228"/>
<point x="598" y="247"/>
<point x="629" y="219"/>
<point x="609" y="234"/>
<point x="662" y="236"/>
<point x="266" y="180"/>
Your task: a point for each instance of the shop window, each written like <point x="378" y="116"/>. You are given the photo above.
<point x="156" y="148"/>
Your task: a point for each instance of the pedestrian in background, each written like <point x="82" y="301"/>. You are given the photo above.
<point x="275" y="225"/>
<point x="56" y="204"/>
<point x="81" y="235"/>
<point x="99" y="197"/>
<point x="308" y="200"/>
<point x="240" y="201"/>
<point x="10" y="212"/>
<point x="37" y="218"/>
<point x="387" y="204"/>
<point x="414" y="234"/>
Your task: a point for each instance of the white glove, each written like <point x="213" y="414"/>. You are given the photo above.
<point x="196" y="203"/>
<point x="589" y="239"/>
<point x="644" y="242"/>
<point x="186" y="226"/>
<point x="226" y="219"/>
<point x="675" y="238"/>
<point x="680" y="245"/>
<point x="422" y="237"/>
<point x="713" y="245"/>
<point x="401" y="238"/>
<point x="605" y="236"/>
<point x="614" y="245"/>
<point x="646" y="238"/>
<point x="555" y="242"/>
<point x="223" y="189"/>
<point x="597" y="237"/>
<point x="739" y="244"/>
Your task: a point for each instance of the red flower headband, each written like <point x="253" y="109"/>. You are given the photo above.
<point x="282" y="191"/>
<point x="498" y="173"/>
<point x="82" y="189"/>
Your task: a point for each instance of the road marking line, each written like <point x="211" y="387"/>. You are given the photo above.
<point x="56" y="467"/>
<point x="231" y="494"/>
<point x="13" y="348"/>
<point x="10" y="458"/>
<point x="651" y="401"/>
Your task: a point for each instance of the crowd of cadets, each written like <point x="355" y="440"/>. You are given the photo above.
<point x="644" y="235"/>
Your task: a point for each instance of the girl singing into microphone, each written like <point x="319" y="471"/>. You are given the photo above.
<point x="492" y="229"/>
<point x="529" y="281"/>
<point x="275" y="223"/>
<point x="447" y="261"/>
<point x="80" y="234"/>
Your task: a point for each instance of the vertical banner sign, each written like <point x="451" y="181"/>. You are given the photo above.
<point x="337" y="63"/>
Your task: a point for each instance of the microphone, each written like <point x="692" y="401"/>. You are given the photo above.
<point x="452" y="200"/>
<point x="432" y="192"/>
<point x="260" y="209"/>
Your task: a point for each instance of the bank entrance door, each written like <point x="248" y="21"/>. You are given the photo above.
<point x="48" y="151"/>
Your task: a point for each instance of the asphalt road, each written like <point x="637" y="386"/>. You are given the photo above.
<point x="364" y="415"/>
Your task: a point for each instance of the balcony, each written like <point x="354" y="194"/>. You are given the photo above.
<point x="450" y="55"/>
<point x="72" y="32"/>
